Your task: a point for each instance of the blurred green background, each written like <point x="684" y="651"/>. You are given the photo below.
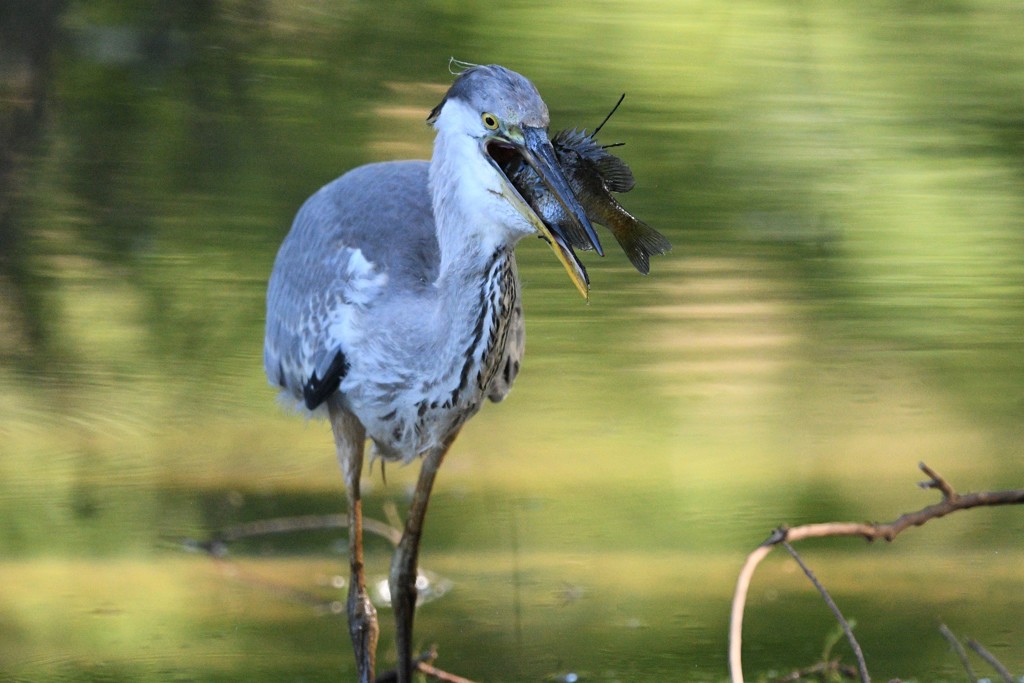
<point x="844" y="187"/>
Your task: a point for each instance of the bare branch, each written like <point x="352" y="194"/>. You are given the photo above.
<point x="951" y="502"/>
<point x="739" y="600"/>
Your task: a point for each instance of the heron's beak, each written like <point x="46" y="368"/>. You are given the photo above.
<point x="536" y="151"/>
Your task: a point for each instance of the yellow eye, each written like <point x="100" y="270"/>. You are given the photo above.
<point x="490" y="121"/>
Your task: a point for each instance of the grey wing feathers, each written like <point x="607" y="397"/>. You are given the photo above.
<point x="359" y="237"/>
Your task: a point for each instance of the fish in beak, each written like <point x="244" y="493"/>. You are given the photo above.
<point x="509" y="150"/>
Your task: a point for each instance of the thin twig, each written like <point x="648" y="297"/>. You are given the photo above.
<point x="991" y="659"/>
<point x="951" y="502"/>
<point x="937" y="482"/>
<point x="959" y="650"/>
<point x="425" y="665"/>
<point x="862" y="666"/>
<point x="432" y="671"/>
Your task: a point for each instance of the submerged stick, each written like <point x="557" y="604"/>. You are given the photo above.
<point x="218" y="541"/>
<point x="862" y="666"/>
<point x="991" y="659"/>
<point x="961" y="653"/>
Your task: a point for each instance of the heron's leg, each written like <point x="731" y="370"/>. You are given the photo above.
<point x="404" y="562"/>
<point x="350" y="439"/>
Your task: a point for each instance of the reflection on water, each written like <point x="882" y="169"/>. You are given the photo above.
<point x="842" y="187"/>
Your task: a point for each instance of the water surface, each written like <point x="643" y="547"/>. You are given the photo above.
<point x="843" y="189"/>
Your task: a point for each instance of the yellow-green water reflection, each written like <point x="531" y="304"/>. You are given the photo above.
<point x="843" y="188"/>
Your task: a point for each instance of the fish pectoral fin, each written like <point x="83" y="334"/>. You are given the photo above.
<point x="615" y="173"/>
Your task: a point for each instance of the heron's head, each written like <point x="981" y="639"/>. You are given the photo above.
<point x="503" y="115"/>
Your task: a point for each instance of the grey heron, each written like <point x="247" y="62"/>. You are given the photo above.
<point x="394" y="306"/>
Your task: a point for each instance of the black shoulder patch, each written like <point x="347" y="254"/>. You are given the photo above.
<point x="316" y="389"/>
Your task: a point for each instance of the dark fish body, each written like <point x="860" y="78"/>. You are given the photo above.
<point x="593" y="174"/>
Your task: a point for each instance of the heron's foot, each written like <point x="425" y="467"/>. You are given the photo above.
<point x="364" y="630"/>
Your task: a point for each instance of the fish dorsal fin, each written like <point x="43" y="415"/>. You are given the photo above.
<point x="576" y="140"/>
<point x="614" y="172"/>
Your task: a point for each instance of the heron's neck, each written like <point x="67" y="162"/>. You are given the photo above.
<point x="467" y="210"/>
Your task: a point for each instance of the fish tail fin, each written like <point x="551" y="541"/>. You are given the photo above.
<point x="639" y="240"/>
